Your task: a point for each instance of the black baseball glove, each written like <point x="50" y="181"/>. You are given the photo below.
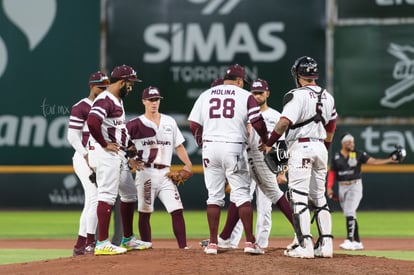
<point x="277" y="158"/>
<point x="92" y="178"/>
<point x="399" y="153"/>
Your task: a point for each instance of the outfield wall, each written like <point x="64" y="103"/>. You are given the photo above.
<point x="47" y="54"/>
<point x="56" y="187"/>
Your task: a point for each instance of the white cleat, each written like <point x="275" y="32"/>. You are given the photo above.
<point x="211" y="249"/>
<point x="325" y="249"/>
<point x="293" y="243"/>
<point x="347" y="245"/>
<point x="225" y="244"/>
<point x="301" y="252"/>
<point x="357" y="245"/>
<point x="252" y="248"/>
<point x="133" y="243"/>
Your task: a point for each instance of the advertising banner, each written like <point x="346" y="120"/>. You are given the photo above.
<point x="374" y="71"/>
<point x="48" y="49"/>
<point x="181" y="46"/>
<point x="375" y="8"/>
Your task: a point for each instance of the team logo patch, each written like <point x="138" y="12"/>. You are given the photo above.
<point x="168" y="129"/>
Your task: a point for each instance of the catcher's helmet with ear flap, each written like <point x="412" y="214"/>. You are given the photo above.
<point x="305" y="67"/>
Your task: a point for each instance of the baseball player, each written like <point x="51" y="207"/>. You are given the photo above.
<point x="346" y="169"/>
<point x="106" y="122"/>
<point x="263" y="178"/>
<point x="152" y="181"/>
<point x="78" y="136"/>
<point x="218" y="122"/>
<point x="309" y="121"/>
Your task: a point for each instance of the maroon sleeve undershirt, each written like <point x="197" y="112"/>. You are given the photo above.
<point x="260" y="127"/>
<point x="197" y="131"/>
<point x="94" y="125"/>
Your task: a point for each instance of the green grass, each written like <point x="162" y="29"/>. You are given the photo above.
<point x="64" y="225"/>
<point x="9" y="256"/>
<point x="397" y="255"/>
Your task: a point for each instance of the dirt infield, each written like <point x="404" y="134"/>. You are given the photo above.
<point x="165" y="258"/>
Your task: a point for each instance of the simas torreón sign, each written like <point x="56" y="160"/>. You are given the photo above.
<point x="181" y="46"/>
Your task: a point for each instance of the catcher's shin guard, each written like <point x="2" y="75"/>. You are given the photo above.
<point x="301" y="215"/>
<point x="323" y="218"/>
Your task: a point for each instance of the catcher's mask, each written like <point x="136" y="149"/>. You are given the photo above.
<point x="305" y="67"/>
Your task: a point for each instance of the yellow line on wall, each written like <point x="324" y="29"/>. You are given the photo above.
<point x="391" y="168"/>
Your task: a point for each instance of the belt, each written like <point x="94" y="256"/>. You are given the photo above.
<point x="156" y="166"/>
<point x="310" y="140"/>
<point x="206" y="140"/>
<point x="347" y="183"/>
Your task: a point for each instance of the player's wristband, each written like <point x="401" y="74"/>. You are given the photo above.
<point x="273" y="138"/>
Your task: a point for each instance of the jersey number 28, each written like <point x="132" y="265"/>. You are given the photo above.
<point x="222" y="108"/>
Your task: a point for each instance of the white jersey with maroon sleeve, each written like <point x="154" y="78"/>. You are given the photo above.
<point x="168" y="137"/>
<point x="143" y="136"/>
<point x="223" y="111"/>
<point x="302" y="106"/>
<point x="77" y="123"/>
<point x="110" y="110"/>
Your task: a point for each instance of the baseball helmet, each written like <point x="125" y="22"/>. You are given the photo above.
<point x="305" y="67"/>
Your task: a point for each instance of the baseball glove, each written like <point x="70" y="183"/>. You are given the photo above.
<point x="92" y="178"/>
<point x="399" y="153"/>
<point x="180" y="176"/>
<point x="131" y="152"/>
<point x="277" y="158"/>
<point x="227" y="188"/>
<point x="333" y="197"/>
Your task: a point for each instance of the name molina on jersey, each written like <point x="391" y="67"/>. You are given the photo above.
<point x="222" y="92"/>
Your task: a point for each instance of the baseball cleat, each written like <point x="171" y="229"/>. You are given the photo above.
<point x="347" y="245"/>
<point x="223" y="243"/>
<point x="211" y="249"/>
<point x="324" y="248"/>
<point x="107" y="248"/>
<point x="301" y="252"/>
<point x="133" y="243"/>
<point x="78" y="251"/>
<point x="293" y="244"/>
<point x="357" y="245"/>
<point x="90" y="249"/>
<point x="252" y="248"/>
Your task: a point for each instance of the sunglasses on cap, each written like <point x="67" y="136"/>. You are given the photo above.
<point x="104" y="80"/>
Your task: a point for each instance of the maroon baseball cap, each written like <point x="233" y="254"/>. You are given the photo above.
<point x="236" y="71"/>
<point x="99" y="79"/>
<point x="151" y="92"/>
<point x="259" y="85"/>
<point x="218" y="81"/>
<point x="125" y="72"/>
